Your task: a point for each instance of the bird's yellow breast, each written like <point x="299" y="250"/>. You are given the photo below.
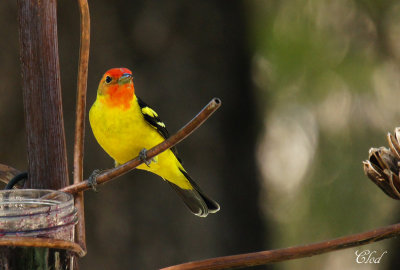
<point x="122" y="133"/>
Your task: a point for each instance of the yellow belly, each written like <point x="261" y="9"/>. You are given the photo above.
<point x="123" y="133"/>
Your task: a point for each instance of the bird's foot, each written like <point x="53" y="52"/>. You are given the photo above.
<point x="92" y="180"/>
<point x="143" y="157"/>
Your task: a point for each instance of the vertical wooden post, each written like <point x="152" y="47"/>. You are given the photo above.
<point x="47" y="159"/>
<point x="41" y="87"/>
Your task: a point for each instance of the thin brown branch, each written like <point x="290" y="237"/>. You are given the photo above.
<point x="7" y="173"/>
<point x="81" y="91"/>
<point x="80" y="117"/>
<point x="23" y="241"/>
<point x="284" y="254"/>
<point x="111" y="174"/>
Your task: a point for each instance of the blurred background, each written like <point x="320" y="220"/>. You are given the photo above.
<point x="307" y="87"/>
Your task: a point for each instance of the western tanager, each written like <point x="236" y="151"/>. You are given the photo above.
<point x="125" y="127"/>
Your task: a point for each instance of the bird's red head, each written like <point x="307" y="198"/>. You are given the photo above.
<point x="116" y="88"/>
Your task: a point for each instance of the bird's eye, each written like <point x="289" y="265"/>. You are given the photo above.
<point x="108" y="79"/>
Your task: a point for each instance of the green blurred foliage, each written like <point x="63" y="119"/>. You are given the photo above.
<point x="325" y="70"/>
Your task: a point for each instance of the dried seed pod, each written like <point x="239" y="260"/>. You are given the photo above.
<point x="380" y="179"/>
<point x="394" y="143"/>
<point x="384" y="158"/>
<point x="397" y="133"/>
<point x="382" y="166"/>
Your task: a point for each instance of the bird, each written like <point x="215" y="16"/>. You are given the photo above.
<point x="125" y="126"/>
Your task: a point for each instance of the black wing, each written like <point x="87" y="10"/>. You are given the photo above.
<point x="152" y="118"/>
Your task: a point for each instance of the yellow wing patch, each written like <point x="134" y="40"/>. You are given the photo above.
<point x="161" y="124"/>
<point x="149" y="111"/>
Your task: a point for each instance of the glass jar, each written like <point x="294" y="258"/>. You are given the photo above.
<point x="36" y="213"/>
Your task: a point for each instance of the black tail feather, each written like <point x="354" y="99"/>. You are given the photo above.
<point x="195" y="199"/>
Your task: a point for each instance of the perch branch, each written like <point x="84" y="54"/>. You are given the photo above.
<point x="284" y="254"/>
<point x="23" y="241"/>
<point x="80" y="117"/>
<point x="111" y="174"/>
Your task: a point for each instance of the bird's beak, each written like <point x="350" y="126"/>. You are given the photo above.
<point x="125" y="78"/>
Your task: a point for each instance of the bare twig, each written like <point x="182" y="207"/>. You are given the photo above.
<point x="7" y="173"/>
<point x="23" y="241"/>
<point x="111" y="174"/>
<point x="80" y="118"/>
<point x="81" y="91"/>
<point x="284" y="254"/>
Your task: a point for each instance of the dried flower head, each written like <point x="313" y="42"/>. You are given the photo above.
<point x="382" y="166"/>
